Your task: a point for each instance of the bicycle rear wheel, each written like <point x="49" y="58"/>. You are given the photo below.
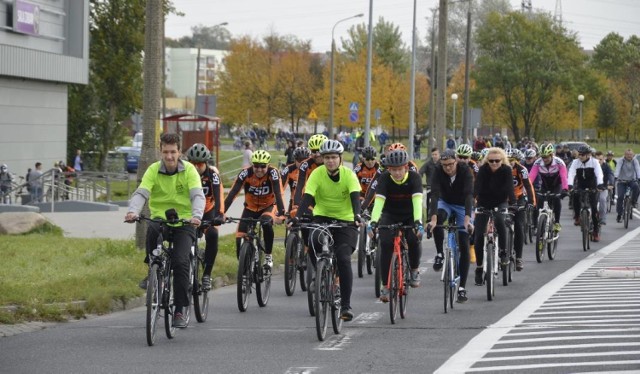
<point x="323" y="298"/>
<point x="377" y="277"/>
<point x="200" y="295"/>
<point x="552" y="243"/>
<point x="169" y="306"/>
<point x="244" y="277"/>
<point x="488" y="276"/>
<point x="540" y="237"/>
<point x="263" y="281"/>
<point x="446" y="277"/>
<point x="609" y="200"/>
<point x="153" y="304"/>
<point x="585" y="225"/>
<point x="394" y="288"/>
<point x="302" y="265"/>
<point x="404" y="290"/>
<point x="362" y="246"/>
<point x="290" y="263"/>
<point x="627" y="211"/>
<point x="504" y="265"/>
<point x="336" y="302"/>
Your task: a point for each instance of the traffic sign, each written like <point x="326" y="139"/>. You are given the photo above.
<point x="353" y="106"/>
<point x="312" y="114"/>
<point x="377" y="114"/>
<point x="353" y="117"/>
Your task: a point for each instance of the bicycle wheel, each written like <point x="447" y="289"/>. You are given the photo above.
<point x="290" y="263"/>
<point x="377" y="277"/>
<point x="609" y="200"/>
<point x="488" y="276"/>
<point x="404" y="290"/>
<point x="167" y="300"/>
<point x="369" y="260"/>
<point x="626" y="210"/>
<point x="504" y="266"/>
<point x="153" y="304"/>
<point x="186" y="311"/>
<point x="335" y="302"/>
<point x="446" y="277"/>
<point x="531" y="226"/>
<point x="302" y="265"/>
<point x="362" y="247"/>
<point x="311" y="287"/>
<point x="527" y="223"/>
<point x="200" y="295"/>
<point x="552" y="240"/>
<point x="394" y="287"/>
<point x="540" y="237"/>
<point x="263" y="281"/>
<point x="321" y="302"/>
<point x="244" y="277"/>
<point x="585" y="225"/>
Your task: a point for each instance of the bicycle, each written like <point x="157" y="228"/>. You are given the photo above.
<point x="252" y="268"/>
<point x="546" y="236"/>
<point x="295" y="261"/>
<point x="508" y="263"/>
<point x="365" y="247"/>
<point x="627" y="209"/>
<point x="491" y="253"/>
<point x="399" y="271"/>
<point x="160" y="293"/>
<point x="327" y="280"/>
<point x="450" y="276"/>
<point x="586" y="226"/>
<point x="610" y="200"/>
<point x="530" y="224"/>
<point x="199" y="293"/>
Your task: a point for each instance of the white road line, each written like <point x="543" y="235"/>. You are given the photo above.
<point x="566" y="319"/>
<point x="337" y="342"/>
<point x="560" y="355"/>
<point x="365" y="318"/>
<point x="564" y="347"/>
<point x="585" y="331"/>
<point x="477" y="347"/>
<point x="596" y="303"/>
<point x="560" y="338"/>
<point x="584" y="311"/>
<point x="563" y="364"/>
<point x="301" y="370"/>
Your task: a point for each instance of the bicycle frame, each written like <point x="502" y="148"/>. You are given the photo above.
<point x="451" y="264"/>
<point x="398" y="297"/>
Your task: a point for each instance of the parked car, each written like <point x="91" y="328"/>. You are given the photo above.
<point x="137" y="140"/>
<point x="132" y="157"/>
<point x="573" y="145"/>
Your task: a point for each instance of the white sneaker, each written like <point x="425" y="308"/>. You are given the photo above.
<point x="268" y="259"/>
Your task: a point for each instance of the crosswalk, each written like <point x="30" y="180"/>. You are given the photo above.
<point x="587" y="319"/>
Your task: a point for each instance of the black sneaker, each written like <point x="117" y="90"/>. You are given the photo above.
<point x="179" y="321"/>
<point x="462" y="295"/>
<point x="479" y="280"/>
<point x="619" y="218"/>
<point x="346" y="314"/>
<point x="143" y="283"/>
<point x="206" y="282"/>
<point x="437" y="262"/>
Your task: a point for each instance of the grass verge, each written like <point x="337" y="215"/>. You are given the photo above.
<point x="47" y="277"/>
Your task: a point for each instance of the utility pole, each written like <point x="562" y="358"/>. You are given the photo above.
<point x="432" y="81"/>
<point x="466" y="131"/>
<point x="412" y="103"/>
<point x="441" y="103"/>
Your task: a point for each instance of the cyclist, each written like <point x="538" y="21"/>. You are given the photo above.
<point x="262" y="195"/>
<point x="452" y="192"/>
<point x="463" y="154"/>
<point x="609" y="181"/>
<point x="398" y="199"/>
<point x="525" y="194"/>
<point x="367" y="169"/>
<point x="171" y="184"/>
<point x="309" y="165"/>
<point x="493" y="188"/>
<point x="290" y="172"/>
<point x="587" y="173"/>
<point x="552" y="173"/>
<point x="611" y="161"/>
<point x="199" y="155"/>
<point x="627" y="173"/>
<point x="334" y="192"/>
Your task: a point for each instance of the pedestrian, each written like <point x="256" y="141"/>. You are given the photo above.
<point x="36" y="183"/>
<point x="246" y="154"/>
<point x="77" y="162"/>
<point x="6" y="179"/>
<point x="417" y="143"/>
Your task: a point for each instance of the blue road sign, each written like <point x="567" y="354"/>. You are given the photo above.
<point x="353" y="106"/>
<point x="353" y="117"/>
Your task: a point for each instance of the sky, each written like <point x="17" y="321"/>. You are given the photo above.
<point x="314" y="19"/>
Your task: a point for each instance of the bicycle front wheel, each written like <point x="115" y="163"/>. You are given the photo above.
<point x="153" y="304"/>
<point x="585" y="225"/>
<point x="488" y="276"/>
<point x="362" y="247"/>
<point x="244" y="276"/>
<point x="311" y="287"/>
<point x="404" y="290"/>
<point x="377" y="277"/>
<point x="290" y="263"/>
<point x="394" y="287"/>
<point x="336" y="302"/>
<point x="263" y="281"/>
<point x="167" y="300"/>
<point x="446" y="278"/>
<point x="200" y="295"/>
<point x="552" y="240"/>
<point x="323" y="297"/>
<point x="627" y="211"/>
<point x="540" y="237"/>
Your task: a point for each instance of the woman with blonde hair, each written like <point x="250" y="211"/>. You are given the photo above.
<point x="493" y="188"/>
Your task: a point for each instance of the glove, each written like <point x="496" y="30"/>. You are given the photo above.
<point x="570" y="187"/>
<point x="419" y="228"/>
<point x="372" y="226"/>
<point x="294" y="221"/>
<point x="219" y="220"/>
<point x="564" y="194"/>
<point x="601" y="187"/>
<point x="357" y="219"/>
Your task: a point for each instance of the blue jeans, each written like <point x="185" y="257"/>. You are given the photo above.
<point x="621" y="189"/>
<point x="447" y="210"/>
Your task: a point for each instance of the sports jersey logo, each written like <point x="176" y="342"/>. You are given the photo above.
<point x="275" y="175"/>
<point x="525" y="173"/>
<point x="205" y="190"/>
<point x="215" y="179"/>
<point x="365" y="180"/>
<point x="243" y="174"/>
<point x="260" y="191"/>
<point x="304" y="166"/>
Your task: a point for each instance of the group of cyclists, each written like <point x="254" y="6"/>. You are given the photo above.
<point x="461" y="184"/>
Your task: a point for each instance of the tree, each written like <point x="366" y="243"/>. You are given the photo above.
<point x="523" y="60"/>
<point x="607" y="116"/>
<point x="387" y="44"/>
<point x="208" y="37"/>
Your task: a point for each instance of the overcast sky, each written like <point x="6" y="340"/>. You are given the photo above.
<point x="314" y="19"/>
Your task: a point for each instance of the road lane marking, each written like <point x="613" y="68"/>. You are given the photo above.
<point x="337" y="342"/>
<point x="364" y="318"/>
<point x="301" y="370"/>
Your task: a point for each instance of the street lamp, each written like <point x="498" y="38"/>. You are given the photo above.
<point x="580" y="100"/>
<point x="331" y="84"/>
<point x="454" y="97"/>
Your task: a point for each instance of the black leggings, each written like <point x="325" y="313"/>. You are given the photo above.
<point x="463" y="245"/>
<point x="211" y="249"/>
<point x="267" y="230"/>
<point x="387" y="236"/>
<point x="481" y="227"/>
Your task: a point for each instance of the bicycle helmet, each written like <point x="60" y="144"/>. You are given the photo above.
<point x="464" y="150"/>
<point x="530" y="153"/>
<point x="395" y="146"/>
<point x="475" y="156"/>
<point x="484" y="153"/>
<point x="301" y="153"/>
<point x="315" y="141"/>
<point x="584" y="149"/>
<point x="547" y="150"/>
<point x="369" y="152"/>
<point x="198" y="153"/>
<point x="448" y="154"/>
<point x="331" y="147"/>
<point x="609" y="153"/>
<point x="397" y="157"/>
<point x="260" y="157"/>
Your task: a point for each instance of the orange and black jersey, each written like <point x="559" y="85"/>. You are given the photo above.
<point x="521" y="184"/>
<point x="473" y="166"/>
<point x="213" y="192"/>
<point x="259" y="193"/>
<point x="304" y="171"/>
<point x="290" y="177"/>
<point x="365" y="176"/>
<point x="371" y="191"/>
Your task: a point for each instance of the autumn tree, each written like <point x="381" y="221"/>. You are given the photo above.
<point x="607" y="116"/>
<point x="209" y="37"/>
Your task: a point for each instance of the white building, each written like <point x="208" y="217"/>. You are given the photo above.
<point x="181" y="65"/>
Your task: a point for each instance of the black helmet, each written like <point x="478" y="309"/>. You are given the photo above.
<point x="397" y="157"/>
<point x="369" y="153"/>
<point x="301" y="153"/>
<point x="584" y="149"/>
<point x="198" y="153"/>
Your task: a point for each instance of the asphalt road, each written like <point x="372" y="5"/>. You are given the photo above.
<point x="281" y="338"/>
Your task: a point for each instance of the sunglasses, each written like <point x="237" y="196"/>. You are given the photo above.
<point x="198" y="163"/>
<point x="583" y="154"/>
<point x="494" y="161"/>
<point x="463" y="157"/>
<point x="370" y="159"/>
<point x="260" y="166"/>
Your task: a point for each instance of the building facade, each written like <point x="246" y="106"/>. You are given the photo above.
<point x="180" y="70"/>
<point x="44" y="46"/>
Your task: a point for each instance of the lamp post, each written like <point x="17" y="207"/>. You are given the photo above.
<point x="454" y="97"/>
<point x="332" y="79"/>
<point x="580" y="100"/>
